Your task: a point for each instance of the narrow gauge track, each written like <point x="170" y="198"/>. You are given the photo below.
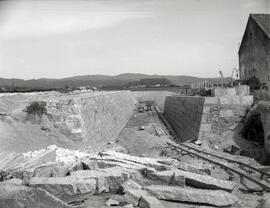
<point x="240" y="169"/>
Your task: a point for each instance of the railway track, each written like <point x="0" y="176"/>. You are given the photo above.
<point x="247" y="171"/>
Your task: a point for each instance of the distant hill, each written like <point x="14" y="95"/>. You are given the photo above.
<point x="98" y="80"/>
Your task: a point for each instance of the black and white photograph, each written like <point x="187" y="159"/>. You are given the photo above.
<point x="134" y="103"/>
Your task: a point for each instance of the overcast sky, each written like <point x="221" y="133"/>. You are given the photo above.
<point x="61" y="38"/>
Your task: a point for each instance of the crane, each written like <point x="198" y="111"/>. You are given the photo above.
<point x="222" y="78"/>
<point x="237" y="72"/>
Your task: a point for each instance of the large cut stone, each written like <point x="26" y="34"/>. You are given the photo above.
<point x="166" y="178"/>
<point x="147" y="201"/>
<point x="112" y="177"/>
<point x="158" y="164"/>
<point x="112" y="162"/>
<point x="15" y="181"/>
<point x="192" y="179"/>
<point x="51" y="171"/>
<point x="133" y="196"/>
<point x="202" y="196"/>
<point x="18" y="196"/>
<point x="64" y="188"/>
<point x="194" y="169"/>
<point x="43" y="171"/>
<point x="130" y="184"/>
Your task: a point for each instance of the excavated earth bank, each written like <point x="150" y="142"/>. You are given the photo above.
<point x="87" y="152"/>
<point x="75" y="120"/>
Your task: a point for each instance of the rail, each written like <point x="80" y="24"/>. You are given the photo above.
<point x="183" y="147"/>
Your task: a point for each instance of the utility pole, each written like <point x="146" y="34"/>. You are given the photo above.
<point x="13" y="87"/>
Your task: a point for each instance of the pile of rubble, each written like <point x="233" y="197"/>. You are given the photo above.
<point x="66" y="181"/>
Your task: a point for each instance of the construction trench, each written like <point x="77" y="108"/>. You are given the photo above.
<point x="135" y="149"/>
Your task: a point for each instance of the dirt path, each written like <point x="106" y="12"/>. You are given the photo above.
<point x="144" y="135"/>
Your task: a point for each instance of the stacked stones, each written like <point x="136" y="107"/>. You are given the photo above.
<point x="140" y="181"/>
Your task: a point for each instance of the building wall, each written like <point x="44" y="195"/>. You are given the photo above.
<point x="211" y="119"/>
<point x="254" y="54"/>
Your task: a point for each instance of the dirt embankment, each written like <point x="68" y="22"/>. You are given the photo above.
<point x="72" y="120"/>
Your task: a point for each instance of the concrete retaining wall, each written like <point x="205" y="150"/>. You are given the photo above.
<point x="184" y="114"/>
<point x="206" y="118"/>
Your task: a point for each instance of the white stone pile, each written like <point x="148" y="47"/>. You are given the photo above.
<point x="65" y="156"/>
<point x="36" y="153"/>
<point x="68" y="156"/>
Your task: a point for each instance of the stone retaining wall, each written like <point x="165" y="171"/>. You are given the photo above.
<point x="92" y="119"/>
<point x="184" y="114"/>
<point x="204" y="118"/>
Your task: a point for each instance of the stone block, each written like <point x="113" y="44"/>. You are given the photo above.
<point x="237" y="100"/>
<point x="211" y="100"/>
<point x="166" y="178"/>
<point x="225" y="100"/>
<point x="63" y="188"/>
<point x="206" y="127"/>
<point x="128" y="206"/>
<point x="109" y="177"/>
<point x="133" y="196"/>
<point x="147" y="201"/>
<point x="130" y="184"/>
<point x="15" y="181"/>
<point x="218" y="92"/>
<point x="205" y="182"/>
<point x="226" y="113"/>
<point x="201" y="196"/>
<point x="206" y="109"/>
<point x="191" y="179"/>
<point x="242" y="90"/>
<point x="247" y="100"/>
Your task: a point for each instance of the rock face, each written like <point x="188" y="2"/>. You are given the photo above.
<point x="104" y="116"/>
<point x="18" y="196"/>
<point x="63" y="188"/>
<point x="264" y="108"/>
<point x="78" y="119"/>
<point x="210" y="197"/>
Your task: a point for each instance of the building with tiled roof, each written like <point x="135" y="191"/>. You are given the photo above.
<point x="254" y="51"/>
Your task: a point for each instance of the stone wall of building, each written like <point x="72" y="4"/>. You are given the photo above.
<point x="210" y="119"/>
<point x="254" y="54"/>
